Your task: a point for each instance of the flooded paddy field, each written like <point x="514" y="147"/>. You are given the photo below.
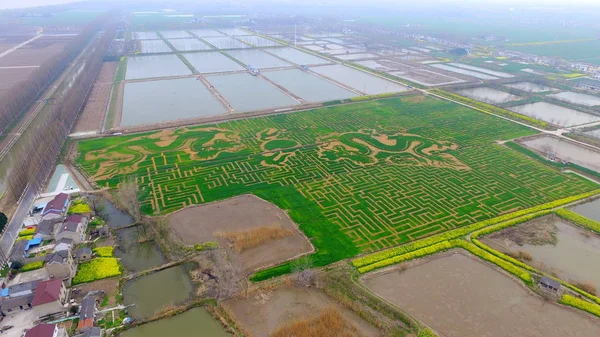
<point x="343" y="51"/>
<point x="206" y="32"/>
<point x="464" y="72"/>
<point x="296" y="56"/>
<point x="567" y="151"/>
<point x="212" y="62"/>
<point x="257" y="58"/>
<point x="225" y="42"/>
<point x="361" y="81"/>
<point x="554" y="114"/>
<point x="140" y="67"/>
<point x="261" y="316"/>
<point x="589" y="210"/>
<point x="315" y="48"/>
<point x="555" y="246"/>
<point x="175" y="34"/>
<point x="184" y="324"/>
<point x="153" y="292"/>
<point x="145" y="36"/>
<point x="426" y="77"/>
<point x="459" y="295"/>
<point x="577" y="98"/>
<point x="258" y="41"/>
<point x="189" y="44"/>
<point x="233" y="31"/>
<point x="154" y="46"/>
<point x="385" y="65"/>
<point x="247" y="93"/>
<point x="308" y="86"/>
<point x="359" y="56"/>
<point x="529" y="87"/>
<point x="488" y="95"/>
<point x="481" y="70"/>
<point x="161" y="101"/>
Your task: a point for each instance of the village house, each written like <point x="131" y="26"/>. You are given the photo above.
<point x="60" y="265"/>
<point x="46" y="330"/>
<point x="63" y="244"/>
<point x="83" y="254"/>
<point x="45" y="230"/>
<point x="549" y="284"/>
<point x="87" y="313"/>
<point x="73" y="228"/>
<point x="17" y="297"/>
<point x="50" y="297"/>
<point x="56" y="208"/>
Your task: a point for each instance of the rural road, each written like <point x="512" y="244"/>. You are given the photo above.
<point x="14" y="225"/>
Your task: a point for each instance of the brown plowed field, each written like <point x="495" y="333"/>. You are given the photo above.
<point x="92" y="117"/>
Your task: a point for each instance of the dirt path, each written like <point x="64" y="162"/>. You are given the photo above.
<point x="92" y="117"/>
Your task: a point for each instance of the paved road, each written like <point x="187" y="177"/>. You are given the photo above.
<point x="14" y="225"/>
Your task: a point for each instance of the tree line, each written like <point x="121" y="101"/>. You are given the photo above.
<point x="44" y="141"/>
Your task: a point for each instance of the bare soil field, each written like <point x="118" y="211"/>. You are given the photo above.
<point x="9" y="41"/>
<point x="109" y="286"/>
<point x="555" y="246"/>
<point x="36" y="52"/>
<point x="459" y="295"/>
<point x="92" y="117"/>
<point x="198" y="224"/>
<point x="264" y="312"/>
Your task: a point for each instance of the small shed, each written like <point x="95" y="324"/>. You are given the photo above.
<point x="549" y="284"/>
<point x="83" y="254"/>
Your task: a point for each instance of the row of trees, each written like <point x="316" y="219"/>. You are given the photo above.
<point x="43" y="140"/>
<point x="19" y="98"/>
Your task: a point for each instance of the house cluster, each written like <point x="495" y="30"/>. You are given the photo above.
<point x="41" y="295"/>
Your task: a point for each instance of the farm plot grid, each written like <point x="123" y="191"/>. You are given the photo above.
<point x="356" y="178"/>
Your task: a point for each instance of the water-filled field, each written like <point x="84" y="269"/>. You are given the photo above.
<point x="554" y="114"/>
<point x="296" y="56"/>
<point x="488" y="95"/>
<point x="359" y="80"/>
<point x="351" y="57"/>
<point x="481" y="70"/>
<point x="212" y="62"/>
<point x="259" y="41"/>
<point x="233" y="31"/>
<point x="567" y="151"/>
<point x="529" y="87"/>
<point x="189" y="44"/>
<point x="206" y="32"/>
<point x="154" y="46"/>
<point x="257" y="58"/>
<point x="577" y="98"/>
<point x="308" y="86"/>
<point x="150" y="66"/>
<point x="181" y="325"/>
<point x="464" y="72"/>
<point x="225" y="42"/>
<point x="247" y="93"/>
<point x="175" y="34"/>
<point x="145" y="36"/>
<point x="161" y="101"/>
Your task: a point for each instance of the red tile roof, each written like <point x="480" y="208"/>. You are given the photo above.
<point x="46" y="292"/>
<point x="41" y="330"/>
<point x="56" y="204"/>
<point x="86" y="323"/>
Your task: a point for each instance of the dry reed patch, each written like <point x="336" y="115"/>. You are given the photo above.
<point x="328" y="323"/>
<point x="254" y="237"/>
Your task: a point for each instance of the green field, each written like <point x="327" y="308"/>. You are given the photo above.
<point x="356" y="178"/>
<point x="587" y="51"/>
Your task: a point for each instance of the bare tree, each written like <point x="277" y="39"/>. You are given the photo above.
<point x="304" y="276"/>
<point x="547" y="150"/>
<point x="128" y="195"/>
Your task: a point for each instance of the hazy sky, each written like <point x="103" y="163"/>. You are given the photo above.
<point x="4" y="4"/>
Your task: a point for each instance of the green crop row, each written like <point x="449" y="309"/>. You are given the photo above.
<point x="578" y="219"/>
<point x="484" y="107"/>
<point x="575" y="302"/>
<point x="456" y="233"/>
<point x="32" y="266"/>
<point x="368" y="97"/>
<point x="27" y="232"/>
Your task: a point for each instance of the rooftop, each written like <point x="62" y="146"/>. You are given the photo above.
<point x="46" y="292"/>
<point x="93" y="332"/>
<point x="41" y="330"/>
<point x="61" y="256"/>
<point x="58" y="203"/>
<point x="45" y="227"/>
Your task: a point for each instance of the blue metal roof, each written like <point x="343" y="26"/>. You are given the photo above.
<point x="33" y="242"/>
<point x="4" y="292"/>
